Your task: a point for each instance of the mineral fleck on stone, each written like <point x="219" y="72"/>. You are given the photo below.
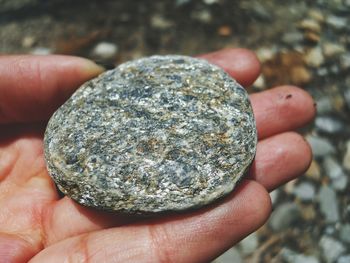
<point x="164" y="133"/>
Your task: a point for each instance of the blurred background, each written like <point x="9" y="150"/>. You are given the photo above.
<point x="304" y="43"/>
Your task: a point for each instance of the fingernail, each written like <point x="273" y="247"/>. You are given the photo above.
<point x="92" y="68"/>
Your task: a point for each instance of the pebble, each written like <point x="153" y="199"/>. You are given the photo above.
<point x="311" y="25"/>
<point x="305" y="191"/>
<point x="230" y="256"/>
<point x="324" y="105"/>
<point x="292" y="38"/>
<point x="345" y="61"/>
<point x="314" y="171"/>
<point x="203" y="16"/>
<point x="344" y="259"/>
<point x="309" y="212"/>
<point x="337" y="22"/>
<point x="291" y="256"/>
<point x="329" y="124"/>
<point x="336" y="173"/>
<point x="249" y="244"/>
<point x="41" y="51"/>
<point x="332" y="248"/>
<point x="162" y="133"/>
<point x="274" y="196"/>
<point x="332" y="49"/>
<point x="316" y="15"/>
<point x="328" y="204"/>
<point x="312" y="37"/>
<point x="224" y="31"/>
<point x="314" y="57"/>
<point x="28" y="41"/>
<point x="105" y="50"/>
<point x="260" y="82"/>
<point x="300" y="75"/>
<point x="160" y="22"/>
<point x="346" y="158"/>
<point x="345" y="233"/>
<point x="210" y="2"/>
<point x="266" y="53"/>
<point x="284" y="216"/>
<point x="320" y="146"/>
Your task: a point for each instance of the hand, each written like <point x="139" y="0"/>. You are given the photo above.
<point x="38" y="225"/>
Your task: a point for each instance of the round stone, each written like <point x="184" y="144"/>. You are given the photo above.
<point x="163" y="133"/>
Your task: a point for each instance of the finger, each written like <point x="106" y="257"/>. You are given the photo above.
<point x="241" y="64"/>
<point x="208" y="232"/>
<point x="282" y="109"/>
<point x="32" y="87"/>
<point x="279" y="159"/>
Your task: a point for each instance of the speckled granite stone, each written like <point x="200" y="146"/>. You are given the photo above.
<point x="164" y="133"/>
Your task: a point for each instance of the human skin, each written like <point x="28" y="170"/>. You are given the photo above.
<point x="38" y="225"/>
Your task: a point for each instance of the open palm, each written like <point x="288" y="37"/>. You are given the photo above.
<point x="38" y="225"/>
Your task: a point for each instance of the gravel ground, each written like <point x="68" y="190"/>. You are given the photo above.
<point x="305" y="43"/>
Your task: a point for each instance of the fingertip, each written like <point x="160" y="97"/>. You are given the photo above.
<point x="89" y="67"/>
<point x="242" y="64"/>
<point x="301" y="146"/>
<point x="301" y="97"/>
<point x="282" y="109"/>
<point x="281" y="158"/>
<point x="258" y="211"/>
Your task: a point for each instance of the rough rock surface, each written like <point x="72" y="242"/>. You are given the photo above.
<point x="164" y="133"/>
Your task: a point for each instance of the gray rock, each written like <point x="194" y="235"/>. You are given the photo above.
<point x="336" y="173"/>
<point x="320" y="146"/>
<point x="337" y="22"/>
<point x="329" y="124"/>
<point x="332" y="249"/>
<point x="274" y="196"/>
<point x="41" y="51"/>
<point x="329" y="204"/>
<point x="324" y="104"/>
<point x="344" y="259"/>
<point x="284" y="216"/>
<point x="305" y="191"/>
<point x="292" y="38"/>
<point x="164" y="133"/>
<point x="105" y="50"/>
<point x="249" y="244"/>
<point x="333" y="49"/>
<point x="291" y="256"/>
<point x="230" y="256"/>
<point x="330" y="230"/>
<point x="345" y="233"/>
